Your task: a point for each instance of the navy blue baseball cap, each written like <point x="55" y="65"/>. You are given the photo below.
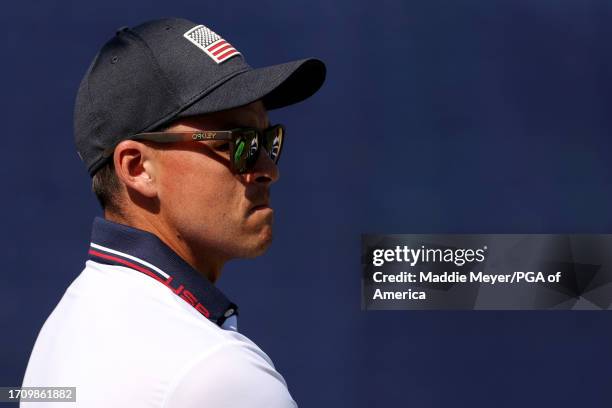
<point x="158" y="71"/>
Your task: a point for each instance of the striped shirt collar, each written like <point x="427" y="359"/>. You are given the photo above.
<point x="117" y="244"/>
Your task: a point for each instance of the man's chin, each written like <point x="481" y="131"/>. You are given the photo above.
<point x="261" y="244"/>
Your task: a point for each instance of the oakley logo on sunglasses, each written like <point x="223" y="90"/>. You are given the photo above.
<point x="204" y="136"/>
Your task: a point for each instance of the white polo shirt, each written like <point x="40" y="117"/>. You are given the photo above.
<point x="140" y="328"/>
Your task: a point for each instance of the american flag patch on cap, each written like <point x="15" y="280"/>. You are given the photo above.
<point x="211" y="43"/>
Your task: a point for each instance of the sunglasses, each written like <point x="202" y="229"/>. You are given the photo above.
<point x="244" y="143"/>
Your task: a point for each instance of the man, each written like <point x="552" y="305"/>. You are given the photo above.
<point x="172" y="125"/>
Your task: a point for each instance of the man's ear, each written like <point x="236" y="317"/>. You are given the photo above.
<point x="134" y="165"/>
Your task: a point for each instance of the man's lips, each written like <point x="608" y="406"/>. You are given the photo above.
<point x="258" y="200"/>
<point x="260" y="206"/>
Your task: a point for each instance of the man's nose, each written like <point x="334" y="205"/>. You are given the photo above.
<point x="265" y="170"/>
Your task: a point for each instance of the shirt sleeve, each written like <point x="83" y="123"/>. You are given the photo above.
<point x="233" y="376"/>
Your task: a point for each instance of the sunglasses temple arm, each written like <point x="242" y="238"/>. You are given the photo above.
<point x="162" y="137"/>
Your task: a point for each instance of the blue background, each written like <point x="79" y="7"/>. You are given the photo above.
<point x="437" y="116"/>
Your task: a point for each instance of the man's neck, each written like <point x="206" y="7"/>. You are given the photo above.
<point x="199" y="259"/>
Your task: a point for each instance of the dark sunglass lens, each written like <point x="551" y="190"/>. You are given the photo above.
<point x="246" y="147"/>
<point x="253" y="150"/>
<point x="274" y="142"/>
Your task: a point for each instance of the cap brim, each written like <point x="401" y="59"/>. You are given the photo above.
<point x="277" y="86"/>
